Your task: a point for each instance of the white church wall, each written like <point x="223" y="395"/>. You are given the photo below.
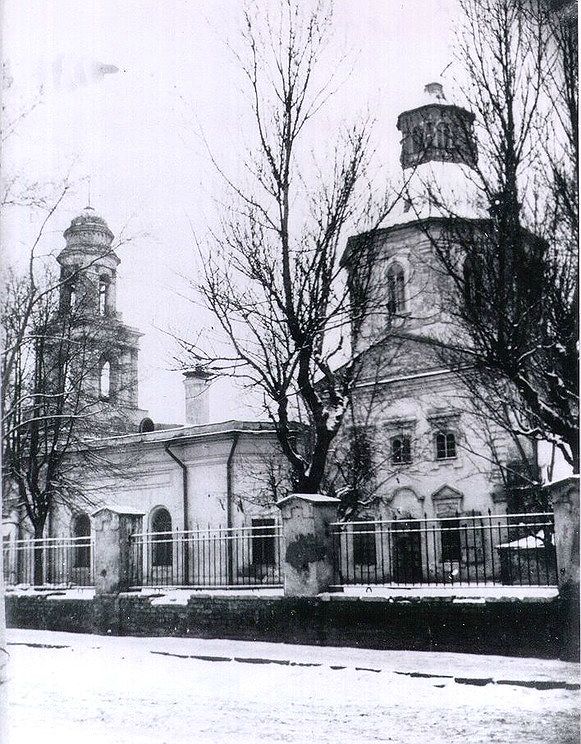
<point x="418" y="409"/>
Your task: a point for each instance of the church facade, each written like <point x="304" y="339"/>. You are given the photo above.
<point x="433" y="452"/>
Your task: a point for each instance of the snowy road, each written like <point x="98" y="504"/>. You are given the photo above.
<point x="67" y="688"/>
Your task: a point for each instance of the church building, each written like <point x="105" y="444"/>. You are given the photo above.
<point x="433" y="453"/>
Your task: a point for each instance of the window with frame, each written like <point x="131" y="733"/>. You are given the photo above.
<point x="364" y="551"/>
<point x="263" y="542"/>
<point x="395" y="289"/>
<point x="445" y="445"/>
<point x="162" y="544"/>
<point x="451" y="547"/>
<point x="401" y="449"/>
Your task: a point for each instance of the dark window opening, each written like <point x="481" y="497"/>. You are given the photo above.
<point x="82" y="548"/>
<point x="162" y="552"/>
<point x="146" y="425"/>
<point x="417" y="140"/>
<point x="450" y="537"/>
<point x="444" y="136"/>
<point x="263" y="542"/>
<point x="445" y="445"/>
<point x="103" y="295"/>
<point x="401" y="449"/>
<point x="364" y="544"/>
<point x="395" y="289"/>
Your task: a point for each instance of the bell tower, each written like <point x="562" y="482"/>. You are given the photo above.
<point x="437" y="131"/>
<point x="88" y="299"/>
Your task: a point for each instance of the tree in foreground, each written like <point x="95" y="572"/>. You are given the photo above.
<point x="272" y="277"/>
<point x="514" y="273"/>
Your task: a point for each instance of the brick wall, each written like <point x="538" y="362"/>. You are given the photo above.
<point x="508" y="627"/>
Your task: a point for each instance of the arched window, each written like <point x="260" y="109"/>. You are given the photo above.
<point x="72" y="291"/>
<point x="162" y="552"/>
<point x="146" y="425"/>
<point x="395" y="289"/>
<point x="82" y="545"/>
<point x="445" y="445"/>
<point x="105" y="380"/>
<point x="103" y="295"/>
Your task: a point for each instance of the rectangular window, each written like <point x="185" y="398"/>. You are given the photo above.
<point x="450" y="535"/>
<point x="263" y="542"/>
<point x="401" y="449"/>
<point x="364" y="544"/>
<point x="445" y="445"/>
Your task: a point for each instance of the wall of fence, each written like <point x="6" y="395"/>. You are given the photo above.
<point x="212" y="557"/>
<point x="57" y="561"/>
<point x="507" y="550"/>
<point x="460" y="550"/>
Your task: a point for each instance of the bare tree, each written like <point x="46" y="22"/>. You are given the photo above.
<point x="272" y="278"/>
<point x="513" y="275"/>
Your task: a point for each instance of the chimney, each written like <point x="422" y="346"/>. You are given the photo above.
<point x="196" y="384"/>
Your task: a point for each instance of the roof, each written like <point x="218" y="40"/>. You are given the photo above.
<point x="186" y="433"/>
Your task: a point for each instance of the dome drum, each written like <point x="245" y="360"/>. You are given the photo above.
<point x="437" y="131"/>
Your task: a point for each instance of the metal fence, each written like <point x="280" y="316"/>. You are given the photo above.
<point x="51" y="561"/>
<point x="507" y="550"/>
<point x="212" y="557"/>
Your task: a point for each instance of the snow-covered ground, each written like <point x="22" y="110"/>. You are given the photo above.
<point x="67" y="688"/>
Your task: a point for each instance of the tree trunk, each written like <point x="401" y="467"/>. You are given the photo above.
<point x="38" y="570"/>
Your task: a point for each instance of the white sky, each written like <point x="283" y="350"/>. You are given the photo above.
<point x="134" y="132"/>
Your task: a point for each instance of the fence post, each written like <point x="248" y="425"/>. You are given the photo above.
<point x="564" y="495"/>
<point x="307" y="561"/>
<point x="111" y="562"/>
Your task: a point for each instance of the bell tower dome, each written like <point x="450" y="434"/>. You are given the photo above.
<point x="437" y="131"/>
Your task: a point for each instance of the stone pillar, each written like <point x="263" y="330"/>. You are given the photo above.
<point x="307" y="562"/>
<point x="111" y="561"/>
<point x="564" y="495"/>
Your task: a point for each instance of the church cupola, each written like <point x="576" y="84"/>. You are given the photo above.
<point x="88" y="266"/>
<point x="437" y="131"/>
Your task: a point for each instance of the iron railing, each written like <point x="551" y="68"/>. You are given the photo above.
<point x="507" y="549"/>
<point x="211" y="557"/>
<point x="49" y="561"/>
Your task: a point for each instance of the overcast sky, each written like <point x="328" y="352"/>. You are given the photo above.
<point x="135" y="132"/>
